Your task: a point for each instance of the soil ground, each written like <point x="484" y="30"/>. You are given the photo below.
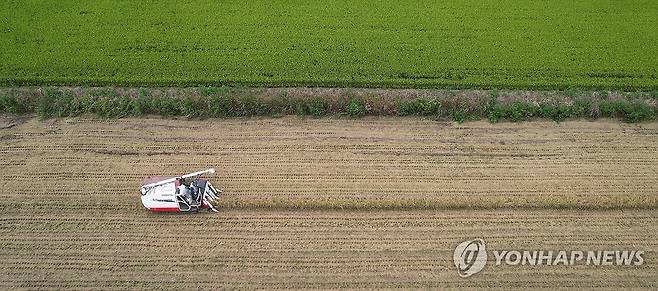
<point x="71" y="216"/>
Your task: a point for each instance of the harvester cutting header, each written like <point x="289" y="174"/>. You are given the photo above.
<point x="180" y="194"/>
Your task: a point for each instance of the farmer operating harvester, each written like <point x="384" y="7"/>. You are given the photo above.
<point x="180" y="194"/>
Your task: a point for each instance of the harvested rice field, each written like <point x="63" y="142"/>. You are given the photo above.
<point x="324" y="203"/>
<point x="127" y="249"/>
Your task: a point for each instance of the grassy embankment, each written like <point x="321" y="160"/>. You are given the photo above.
<point x="208" y="102"/>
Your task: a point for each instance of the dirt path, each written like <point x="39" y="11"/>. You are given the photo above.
<point x="71" y="218"/>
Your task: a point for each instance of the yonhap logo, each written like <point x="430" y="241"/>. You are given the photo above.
<point x="470" y="257"/>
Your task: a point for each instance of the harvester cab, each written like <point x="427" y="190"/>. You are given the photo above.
<point x="186" y="193"/>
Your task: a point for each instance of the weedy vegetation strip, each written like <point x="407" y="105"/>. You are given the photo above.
<point x="283" y="43"/>
<point x="206" y="102"/>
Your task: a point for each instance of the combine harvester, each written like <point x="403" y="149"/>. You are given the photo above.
<point x="181" y="194"/>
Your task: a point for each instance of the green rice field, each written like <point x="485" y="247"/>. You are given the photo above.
<point x="556" y="44"/>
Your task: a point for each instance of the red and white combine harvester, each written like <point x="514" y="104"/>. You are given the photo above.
<point x="180" y="194"/>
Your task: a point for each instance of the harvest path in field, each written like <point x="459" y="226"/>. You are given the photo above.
<point x="384" y="163"/>
<point x="125" y="249"/>
<point x="71" y="216"/>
